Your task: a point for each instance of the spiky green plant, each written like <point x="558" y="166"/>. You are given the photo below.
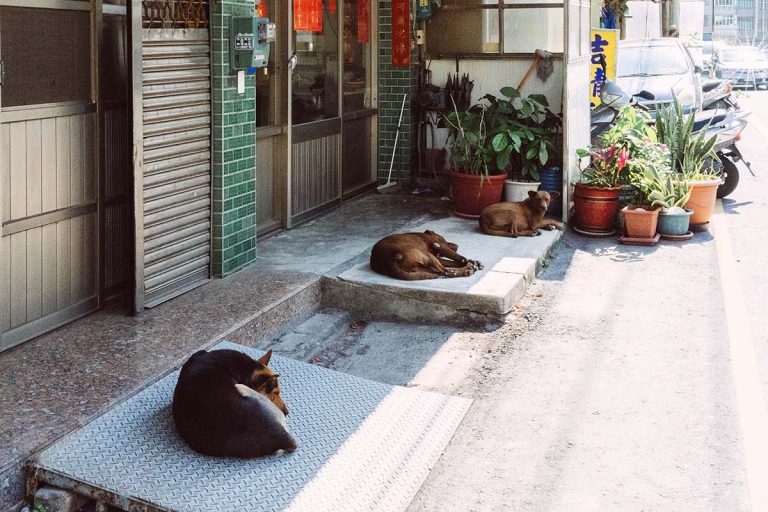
<point x="663" y="188"/>
<point x="690" y="154"/>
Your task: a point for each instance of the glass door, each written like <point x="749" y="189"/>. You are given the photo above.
<point x="314" y="108"/>
<point x="359" y="114"/>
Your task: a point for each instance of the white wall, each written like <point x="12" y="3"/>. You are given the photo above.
<point x="644" y="19"/>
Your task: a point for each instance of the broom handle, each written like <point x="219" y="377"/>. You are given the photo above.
<point x="397" y="136"/>
<point x="530" y="70"/>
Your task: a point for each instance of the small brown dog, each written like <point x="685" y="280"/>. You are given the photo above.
<point x="414" y="256"/>
<point x="523" y="218"/>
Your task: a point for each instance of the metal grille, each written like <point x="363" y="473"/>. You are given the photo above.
<point x="175" y="13"/>
<point x="177" y="162"/>
<point x="363" y="446"/>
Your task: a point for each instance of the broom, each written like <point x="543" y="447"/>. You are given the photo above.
<point x="389" y="182"/>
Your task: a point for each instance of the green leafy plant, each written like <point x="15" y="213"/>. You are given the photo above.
<point x="468" y="140"/>
<point x="663" y="188"/>
<point x="606" y="166"/>
<point x="522" y="132"/>
<point x="692" y="155"/>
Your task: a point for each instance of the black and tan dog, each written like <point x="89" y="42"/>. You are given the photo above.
<point x="522" y="218"/>
<point x="414" y="256"/>
<point x="227" y="404"/>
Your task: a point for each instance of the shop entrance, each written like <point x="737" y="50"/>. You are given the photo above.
<point x="316" y="136"/>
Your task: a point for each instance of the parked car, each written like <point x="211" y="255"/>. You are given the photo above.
<point x="743" y="66"/>
<point x="661" y="66"/>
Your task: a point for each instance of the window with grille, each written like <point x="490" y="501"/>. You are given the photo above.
<point x="498" y="27"/>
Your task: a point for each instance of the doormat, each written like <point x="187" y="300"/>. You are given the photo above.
<point x="363" y="446"/>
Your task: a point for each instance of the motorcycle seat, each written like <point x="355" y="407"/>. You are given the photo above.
<point x="711" y="84"/>
<point x="703" y="118"/>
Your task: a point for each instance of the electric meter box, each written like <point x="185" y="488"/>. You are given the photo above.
<point x="249" y="40"/>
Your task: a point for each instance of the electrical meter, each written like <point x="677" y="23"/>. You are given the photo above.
<point x="249" y="40"/>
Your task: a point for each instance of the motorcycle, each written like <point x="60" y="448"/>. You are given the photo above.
<point x="726" y="123"/>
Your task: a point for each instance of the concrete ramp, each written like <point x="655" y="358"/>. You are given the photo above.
<point x="510" y="265"/>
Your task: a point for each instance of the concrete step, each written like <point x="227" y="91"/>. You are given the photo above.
<point x="510" y="266"/>
<point x="310" y="337"/>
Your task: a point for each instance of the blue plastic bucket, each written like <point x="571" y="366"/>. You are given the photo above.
<point x="552" y="181"/>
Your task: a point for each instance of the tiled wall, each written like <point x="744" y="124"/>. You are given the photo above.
<point x="234" y="123"/>
<point x="393" y="83"/>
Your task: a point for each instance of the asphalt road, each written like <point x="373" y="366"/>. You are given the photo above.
<point x="629" y="379"/>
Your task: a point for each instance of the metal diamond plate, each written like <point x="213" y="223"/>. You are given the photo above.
<point x="363" y="446"/>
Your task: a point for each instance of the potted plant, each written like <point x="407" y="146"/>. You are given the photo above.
<point x="476" y="181"/>
<point x="621" y="151"/>
<point x="692" y="156"/>
<point x="596" y="194"/>
<point x="669" y="191"/>
<point x="522" y="132"/>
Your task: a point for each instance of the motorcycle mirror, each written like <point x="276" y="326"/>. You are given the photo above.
<point x="645" y="95"/>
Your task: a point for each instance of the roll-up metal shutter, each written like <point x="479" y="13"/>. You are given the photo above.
<point x="177" y="161"/>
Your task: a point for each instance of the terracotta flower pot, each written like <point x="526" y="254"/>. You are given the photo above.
<point x="470" y="198"/>
<point x="702" y="201"/>
<point x="640" y="222"/>
<point x="595" y="207"/>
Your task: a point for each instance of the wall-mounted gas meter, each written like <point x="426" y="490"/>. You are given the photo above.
<point x="249" y="40"/>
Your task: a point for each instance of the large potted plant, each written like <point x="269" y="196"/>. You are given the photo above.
<point x="475" y="180"/>
<point x="692" y="156"/>
<point x="522" y="132"/>
<point x="596" y="194"/>
<point x="621" y="150"/>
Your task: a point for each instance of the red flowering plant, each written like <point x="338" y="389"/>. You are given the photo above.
<point x="606" y="168"/>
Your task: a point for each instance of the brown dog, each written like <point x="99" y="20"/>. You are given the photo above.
<point x="414" y="256"/>
<point x="523" y="218"/>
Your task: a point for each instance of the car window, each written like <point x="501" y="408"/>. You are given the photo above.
<point x="737" y="54"/>
<point x="651" y="61"/>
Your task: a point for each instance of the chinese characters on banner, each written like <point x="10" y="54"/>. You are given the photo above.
<point x="401" y="43"/>
<point x="363" y="21"/>
<point x="603" y="42"/>
<point x="308" y="15"/>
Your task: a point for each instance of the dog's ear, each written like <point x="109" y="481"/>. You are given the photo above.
<point x="532" y="193"/>
<point x="265" y="358"/>
<point x="554" y="195"/>
<point x="428" y="232"/>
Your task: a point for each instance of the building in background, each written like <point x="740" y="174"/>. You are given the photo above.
<point x="736" y="21"/>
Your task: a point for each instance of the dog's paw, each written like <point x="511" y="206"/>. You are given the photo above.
<point x="476" y="264"/>
<point x="537" y="233"/>
<point x="559" y="227"/>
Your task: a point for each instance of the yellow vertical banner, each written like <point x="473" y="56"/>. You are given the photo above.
<point x="603" y="42"/>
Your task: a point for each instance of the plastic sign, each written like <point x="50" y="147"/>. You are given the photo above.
<point x="602" y="42"/>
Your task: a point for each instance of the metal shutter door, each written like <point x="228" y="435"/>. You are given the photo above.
<point x="176" y="111"/>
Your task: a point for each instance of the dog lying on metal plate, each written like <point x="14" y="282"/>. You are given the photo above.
<point x="227" y="404"/>
<point x="414" y="256"/>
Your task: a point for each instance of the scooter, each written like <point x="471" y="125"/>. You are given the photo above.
<point x="727" y="125"/>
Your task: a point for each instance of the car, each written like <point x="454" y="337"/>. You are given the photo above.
<point x="743" y="66"/>
<point x="661" y="66"/>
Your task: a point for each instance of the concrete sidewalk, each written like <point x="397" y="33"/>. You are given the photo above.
<point x="61" y="381"/>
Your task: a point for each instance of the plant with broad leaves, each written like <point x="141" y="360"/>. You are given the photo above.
<point x="522" y="132"/>
<point x="606" y="167"/>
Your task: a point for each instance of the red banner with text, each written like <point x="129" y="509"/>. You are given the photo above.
<point x="308" y="15"/>
<point x="401" y="44"/>
<point x="363" y="21"/>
